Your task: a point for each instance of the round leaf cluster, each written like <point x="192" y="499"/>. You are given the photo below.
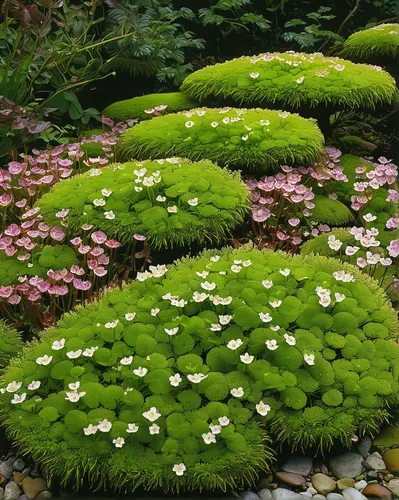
<point x="294" y="79"/>
<point x="182" y="371"/>
<point x="241" y="138"/>
<point x="329" y="211"/>
<point x="10" y="343"/>
<point x="170" y="201"/>
<point x="135" y="108"/>
<point x="379" y="41"/>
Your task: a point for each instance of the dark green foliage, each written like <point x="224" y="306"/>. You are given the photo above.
<point x="379" y="41"/>
<point x="330" y="211"/>
<point x="251" y="139"/>
<point x="10" y="343"/>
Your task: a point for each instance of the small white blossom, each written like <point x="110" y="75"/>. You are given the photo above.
<point x="172" y="210"/>
<point x="265" y="317"/>
<point x="99" y="202"/>
<point x="154" y="429"/>
<point x="267" y="283"/>
<point x="199" y="297"/>
<point x="152" y="414"/>
<point x="262" y="408"/>
<point x="234" y="344"/>
<point x="237" y="392"/>
<point x="246" y="358"/>
<point x="300" y="80"/>
<point x="223" y="421"/>
<point x="175" y="380"/>
<point x="208" y="286"/>
<point x="214" y="124"/>
<point x="132" y="428"/>
<point x="74" y="386"/>
<point x="289" y="339"/>
<point x="119" y="442"/>
<point x="155" y="311"/>
<point x="140" y="371"/>
<point x="236" y="269"/>
<point x="275" y="303"/>
<point x="90" y="429"/>
<point x="126" y="361"/>
<point x="196" y="378"/>
<point x="209" y="438"/>
<point x="215" y="429"/>
<point x="111" y="324"/>
<point x="74" y="354"/>
<point x="309" y="359"/>
<point x="171" y="331"/>
<point x="106" y="192"/>
<point x="161" y="198"/>
<point x="74" y="396"/>
<point x="215" y="258"/>
<point x="58" y="344"/>
<point x="13" y="386"/>
<point x="351" y="250"/>
<point x="18" y="398"/>
<point x="189" y="124"/>
<point x="35" y="384"/>
<point x="44" y="360"/>
<point x="339" y="297"/>
<point x="109" y="215"/>
<point x="285" y="272"/>
<point x="325" y="301"/>
<point x="271" y="344"/>
<point x="275" y="328"/>
<point x="179" y="469"/>
<point x="225" y="319"/>
<point x="254" y="75"/>
<point x="369" y="217"/>
<point x="215" y="327"/>
<point x="130" y="316"/>
<point x="193" y="202"/>
<point x="89" y="351"/>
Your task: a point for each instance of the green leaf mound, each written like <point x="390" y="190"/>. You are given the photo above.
<point x="241" y="138"/>
<point x="171" y="201"/>
<point x="330" y="211"/>
<point x="213" y="351"/>
<point x="135" y="108"/>
<point x="10" y="343"/>
<point x="379" y="41"/>
<point x="294" y="79"/>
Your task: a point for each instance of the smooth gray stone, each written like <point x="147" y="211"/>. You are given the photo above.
<point x="347" y="465"/>
<point x="284" y="494"/>
<point x="249" y="495"/>
<point x="5" y="469"/>
<point x="374" y="462"/>
<point x="1" y="493"/>
<point x="265" y="494"/>
<point x="364" y="446"/>
<point x="319" y="497"/>
<point x="298" y="465"/>
<point x="18" y="465"/>
<point x="353" y="494"/>
<point x="360" y="485"/>
<point x="334" y="496"/>
<point x="12" y="491"/>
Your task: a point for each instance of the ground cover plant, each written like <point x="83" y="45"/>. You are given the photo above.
<point x="178" y="378"/>
<point x="379" y="41"/>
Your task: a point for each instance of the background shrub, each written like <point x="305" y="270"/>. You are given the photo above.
<point x="10" y="343"/>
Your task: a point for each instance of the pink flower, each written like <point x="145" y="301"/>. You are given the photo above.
<point x="99" y="237"/>
<point x="112" y="244"/>
<point x="76" y="241"/>
<point x="34" y="296"/>
<point x="10" y="251"/>
<point x="294" y="221"/>
<point x="361" y="262"/>
<point x="103" y="260"/>
<point x="13" y="230"/>
<point x="393" y="248"/>
<point x="75" y="269"/>
<point x="83" y="249"/>
<point x="100" y="271"/>
<point x="324" y="228"/>
<point x="57" y="234"/>
<point x="87" y="227"/>
<point x="5" y="291"/>
<point x="261" y="214"/>
<point x="97" y="251"/>
<point x="81" y="285"/>
<point x="5" y="199"/>
<point x="139" y="237"/>
<point x="15" y="167"/>
<point x="14" y="299"/>
<point x="282" y="236"/>
<point x="296" y="241"/>
<point x="107" y="121"/>
<point x="392" y="223"/>
<point x="21" y="203"/>
<point x="65" y="162"/>
<point x="62" y="213"/>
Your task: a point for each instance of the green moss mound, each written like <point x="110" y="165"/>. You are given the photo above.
<point x="294" y="79"/>
<point x="134" y="108"/>
<point x="171" y="202"/>
<point x="332" y="212"/>
<point x="10" y="343"/>
<point x="215" y="349"/>
<point x="379" y="41"/>
<point x="253" y="138"/>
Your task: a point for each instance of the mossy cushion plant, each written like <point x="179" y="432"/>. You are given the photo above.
<point x="294" y="79"/>
<point x="10" y="343"/>
<point x="329" y="211"/>
<point x="136" y="108"/>
<point x="379" y="41"/>
<point x="170" y="201"/>
<point x="243" y="138"/>
<point x="175" y="381"/>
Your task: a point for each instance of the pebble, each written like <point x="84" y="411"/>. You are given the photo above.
<point x="353" y="494"/>
<point x="393" y="486"/>
<point x="374" y="462"/>
<point x="5" y="470"/>
<point x="319" y="497"/>
<point x="17" y="476"/>
<point x="263" y="484"/>
<point x="44" y="495"/>
<point x="284" y="494"/>
<point x="290" y="478"/>
<point x="247" y="495"/>
<point x="347" y="465"/>
<point x="391" y="459"/>
<point x="298" y="465"/>
<point x="312" y="491"/>
<point x="371" y="475"/>
<point x="32" y="487"/>
<point x="364" y="446"/>
<point x="345" y="482"/>
<point x="18" y="465"/>
<point x="323" y="484"/>
<point x="1" y="493"/>
<point x="334" y="496"/>
<point x="305" y="494"/>
<point x="11" y="491"/>
<point x="10" y="460"/>
<point x="324" y="469"/>
<point x="388" y="477"/>
<point x="265" y="494"/>
<point x="360" y="485"/>
<point x="377" y="491"/>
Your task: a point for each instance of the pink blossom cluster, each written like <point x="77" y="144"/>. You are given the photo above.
<point x="328" y="169"/>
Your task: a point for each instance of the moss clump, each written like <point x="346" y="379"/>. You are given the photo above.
<point x="379" y="41"/>
<point x="332" y="212"/>
<point x="135" y="108"/>
<point x="212" y="354"/>
<point x="171" y="202"/>
<point x="10" y="343"/>
<point x="294" y="79"/>
<point x="253" y="138"/>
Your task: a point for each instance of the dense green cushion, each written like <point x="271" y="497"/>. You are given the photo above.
<point x="379" y="41"/>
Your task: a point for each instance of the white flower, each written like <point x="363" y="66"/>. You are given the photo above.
<point x="214" y="124"/>
<point x="154" y="429"/>
<point x="119" y="442"/>
<point x="179" y="469"/>
<point x="234" y="344"/>
<point x="271" y="344"/>
<point x="148" y="181"/>
<point x="267" y="283"/>
<point x="215" y="429"/>
<point x="373" y="259"/>
<point x="74" y="396"/>
<point x="339" y="297"/>
<point x="35" y="384"/>
<point x="264" y="123"/>
<point x="138" y="189"/>
<point x="289" y="339"/>
<point x="127" y="360"/>
<point x="143" y="276"/>
<point x="247" y="263"/>
<point x="109" y="215"/>
<point x="369" y="217"/>
<point x="262" y="409"/>
<point x="193" y="202"/>
<point x="106" y="192"/>
<point x="74" y="386"/>
<point x="18" y="398"/>
<point x="130" y="316"/>
<point x="351" y="250"/>
<point x="189" y="124"/>
<point x="325" y="301"/>
<point x="172" y="210"/>
<point x="223" y="421"/>
<point x="209" y="438"/>
<point x="309" y="359"/>
<point x="202" y="274"/>
<point x="275" y="328"/>
<point x="140" y="173"/>
<point x="196" y="378"/>
<point x="335" y="244"/>
<point x="199" y="297"/>
<point x="89" y="351"/>
<point x="132" y="428"/>
<point x="237" y="392"/>
<point x="111" y="324"/>
<point x="74" y="354"/>
<point x="140" y="371"/>
<point x="285" y="272"/>
<point x="225" y="319"/>
<point x="161" y="198"/>
<point x="244" y="137"/>
<point x="171" y="331"/>
<point x="178" y="303"/>
<point x="342" y="276"/>
<point x="254" y="75"/>
<point x="99" y="202"/>
<point x="13" y="386"/>
<point x="284" y="114"/>
<point x="276" y="303"/>
<point x="215" y="258"/>
<point x="208" y="286"/>
<point x="44" y="360"/>
<point x="152" y="414"/>
<point x="265" y="317"/>
<point x="58" y="344"/>
<point x="215" y="327"/>
<point x="155" y="311"/>
<point x="90" y="429"/>
<point x="175" y="380"/>
<point x="246" y="358"/>
<point x="236" y="269"/>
